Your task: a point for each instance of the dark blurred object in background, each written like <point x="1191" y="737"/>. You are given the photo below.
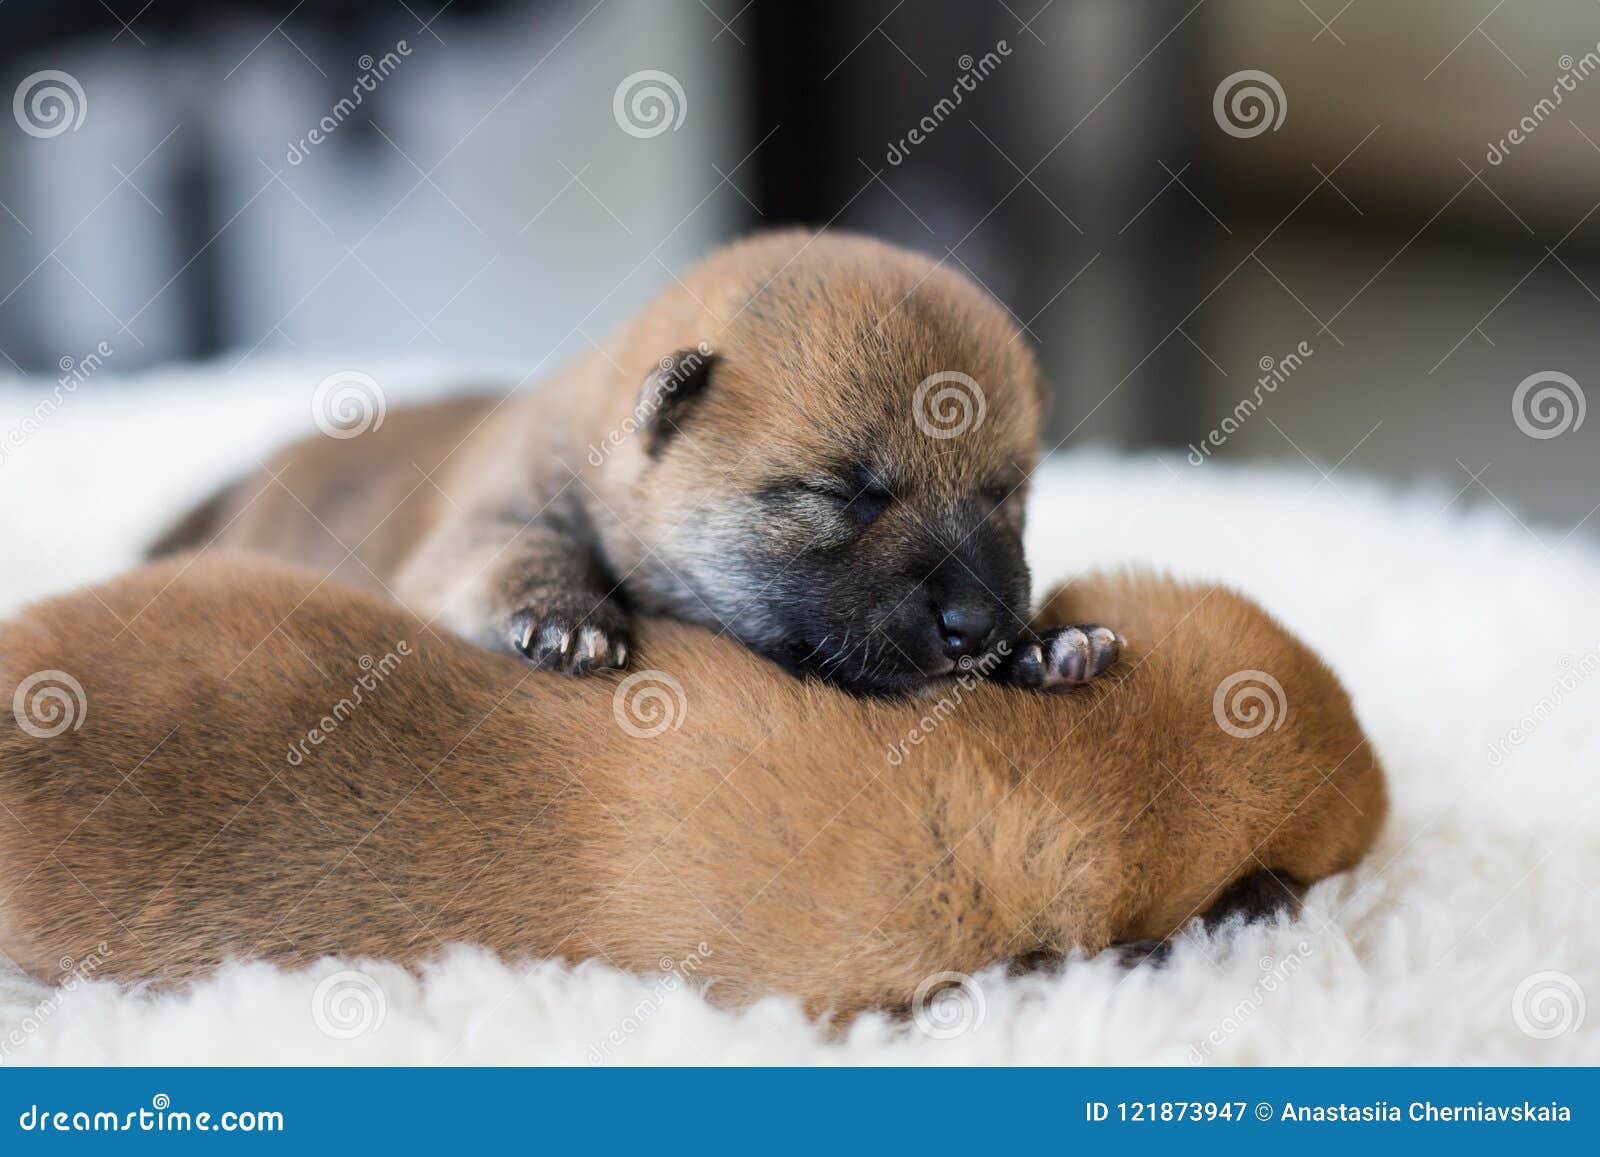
<point x="1343" y="233"/>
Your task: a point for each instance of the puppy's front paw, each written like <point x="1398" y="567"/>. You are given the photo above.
<point x="570" y="641"/>
<point x="1063" y="658"/>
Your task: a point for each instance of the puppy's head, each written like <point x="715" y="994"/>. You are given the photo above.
<point x="835" y="438"/>
<point x="1281" y="785"/>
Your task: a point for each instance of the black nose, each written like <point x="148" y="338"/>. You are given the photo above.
<point x="965" y="630"/>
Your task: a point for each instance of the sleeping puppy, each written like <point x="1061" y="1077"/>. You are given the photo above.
<point x="816" y="443"/>
<point x="290" y="768"/>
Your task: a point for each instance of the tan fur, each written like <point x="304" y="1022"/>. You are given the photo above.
<point x="477" y="512"/>
<point x="466" y="798"/>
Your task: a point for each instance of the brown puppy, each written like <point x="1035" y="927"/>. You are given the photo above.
<point x="288" y="768"/>
<point x="817" y="443"/>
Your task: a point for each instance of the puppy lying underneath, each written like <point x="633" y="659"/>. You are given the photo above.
<point x="816" y="443"/>
<point x="289" y="768"/>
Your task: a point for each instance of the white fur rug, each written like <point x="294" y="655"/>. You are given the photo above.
<point x="1470" y="644"/>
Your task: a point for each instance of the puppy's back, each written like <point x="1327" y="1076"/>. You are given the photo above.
<point x="219" y="758"/>
<point x="285" y="768"/>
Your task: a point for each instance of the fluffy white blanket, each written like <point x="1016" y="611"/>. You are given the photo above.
<point x="1471" y="645"/>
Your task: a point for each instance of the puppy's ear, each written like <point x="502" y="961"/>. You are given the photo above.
<point x="670" y="392"/>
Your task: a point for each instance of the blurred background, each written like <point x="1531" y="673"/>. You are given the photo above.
<point x="1353" y="235"/>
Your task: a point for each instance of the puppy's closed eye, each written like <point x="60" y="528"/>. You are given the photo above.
<point x="860" y="504"/>
<point x="868" y="504"/>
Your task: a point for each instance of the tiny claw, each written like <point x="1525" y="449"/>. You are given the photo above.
<point x="565" y="642"/>
<point x="1104" y="646"/>
<point x="590" y="650"/>
<point x="1027" y="666"/>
